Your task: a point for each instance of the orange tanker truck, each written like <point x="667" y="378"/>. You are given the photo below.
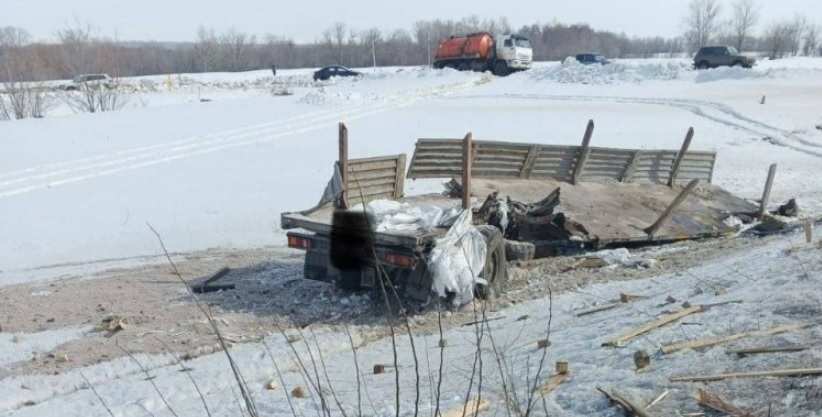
<point x="482" y="51"/>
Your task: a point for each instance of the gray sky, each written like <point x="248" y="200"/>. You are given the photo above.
<point x="304" y="20"/>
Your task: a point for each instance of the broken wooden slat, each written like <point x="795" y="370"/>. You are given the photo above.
<point x="678" y="162"/>
<point x="207" y="285"/>
<point x="468" y="409"/>
<point x="599" y="308"/>
<point x="630" y="407"/>
<point x="666" y="215"/>
<point x="766" y="194"/>
<point x="760" y="374"/>
<point x="712" y="341"/>
<point x="774" y="349"/>
<point x="657" y="400"/>
<point x="584" y="152"/>
<point x="530" y="160"/>
<point x="467" y="156"/>
<point x="552" y="383"/>
<point x="716" y="403"/>
<point x="668" y="318"/>
<point x="343" y="163"/>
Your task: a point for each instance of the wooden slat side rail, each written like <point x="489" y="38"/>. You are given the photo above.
<point x="442" y="158"/>
<point x="381" y="177"/>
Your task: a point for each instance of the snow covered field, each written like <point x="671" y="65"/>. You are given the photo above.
<point x="218" y="174"/>
<point x="77" y="192"/>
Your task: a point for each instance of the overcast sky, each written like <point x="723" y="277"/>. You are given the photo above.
<point x="305" y="20"/>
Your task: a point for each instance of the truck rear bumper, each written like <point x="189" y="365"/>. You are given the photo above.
<point x="407" y="271"/>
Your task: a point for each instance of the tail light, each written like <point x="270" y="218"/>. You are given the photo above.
<point x="297" y="242"/>
<point x="402" y="261"/>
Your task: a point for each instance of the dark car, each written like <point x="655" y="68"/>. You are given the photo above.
<point x="334" y="71"/>
<point x="590" y="59"/>
<point x="721" y="56"/>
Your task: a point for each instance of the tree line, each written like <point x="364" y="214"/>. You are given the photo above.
<point x="80" y="49"/>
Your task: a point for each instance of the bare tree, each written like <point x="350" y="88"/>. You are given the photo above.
<point x="77" y="48"/>
<point x="206" y="48"/>
<point x="701" y="23"/>
<point x="778" y="38"/>
<point x="811" y="44"/>
<point x="23" y="94"/>
<point x="235" y="47"/>
<point x="797" y="30"/>
<point x="745" y="17"/>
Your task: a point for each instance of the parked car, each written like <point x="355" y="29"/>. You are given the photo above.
<point x="719" y="56"/>
<point x="590" y="59"/>
<point x="334" y="71"/>
<point x="91" y="80"/>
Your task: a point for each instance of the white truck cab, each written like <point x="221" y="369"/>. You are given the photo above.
<point x="515" y="50"/>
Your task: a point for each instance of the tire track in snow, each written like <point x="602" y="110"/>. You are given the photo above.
<point x="62" y="173"/>
<point x="715" y="112"/>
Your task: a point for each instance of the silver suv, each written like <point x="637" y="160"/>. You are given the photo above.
<point x="721" y="56"/>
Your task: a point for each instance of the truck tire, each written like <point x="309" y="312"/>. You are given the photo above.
<point x="701" y="65"/>
<point x="496" y="268"/>
<point x="500" y="69"/>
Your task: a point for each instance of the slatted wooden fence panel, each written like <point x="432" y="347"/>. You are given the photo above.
<point x="375" y="178"/>
<point x="442" y="158"/>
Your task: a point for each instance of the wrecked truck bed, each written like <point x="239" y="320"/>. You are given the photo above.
<point x="604" y="198"/>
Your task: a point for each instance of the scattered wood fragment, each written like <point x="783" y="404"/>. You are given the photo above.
<point x="657" y="400"/>
<point x="597" y="309"/>
<point x="761" y="374"/>
<point x="713" y="341"/>
<point x="716" y="403"/>
<point x="622" y="340"/>
<point x="630" y="407"/>
<point x="543" y="343"/>
<point x="627" y="298"/>
<point x="298" y="392"/>
<point x="206" y="285"/>
<point x="767" y="349"/>
<point x="468" y="409"/>
<point x="641" y="359"/>
<point x="489" y="319"/>
<point x="556" y="380"/>
<point x="562" y="367"/>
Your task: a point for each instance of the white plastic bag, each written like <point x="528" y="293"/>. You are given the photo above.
<point x="457" y="260"/>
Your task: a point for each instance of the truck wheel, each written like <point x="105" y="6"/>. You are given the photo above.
<point x="500" y="69"/>
<point x="496" y="268"/>
<point x="702" y="65"/>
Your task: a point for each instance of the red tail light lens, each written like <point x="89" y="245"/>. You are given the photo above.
<point x="402" y="261"/>
<point x="299" y="243"/>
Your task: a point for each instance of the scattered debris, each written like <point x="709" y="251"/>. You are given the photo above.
<point x="773" y="349"/>
<point x="543" y="343"/>
<point x="657" y="400"/>
<point x="453" y="189"/>
<point x="519" y="251"/>
<point x="760" y="374"/>
<point x="206" y="285"/>
<point x="293" y="338"/>
<point x="379" y="369"/>
<point x="627" y="298"/>
<point x="271" y="386"/>
<point x="488" y="319"/>
<point x="556" y="380"/>
<point x="641" y="359"/>
<point x="599" y="308"/>
<point x="713" y="341"/>
<point x="469" y="408"/>
<point x="789" y="209"/>
<point x="714" y="402"/>
<point x="630" y="407"/>
<point x="298" y="392"/>
<point x="770" y="225"/>
<point x="622" y="340"/>
<point x="111" y="325"/>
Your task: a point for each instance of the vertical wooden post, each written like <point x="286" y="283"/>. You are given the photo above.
<point x="343" y="164"/>
<point x="628" y="174"/>
<point x="399" y="184"/>
<point x="467" y="157"/>
<point x="766" y="194"/>
<point x="666" y="215"/>
<point x="530" y="160"/>
<point x="682" y="151"/>
<point x="583" y="153"/>
<point x="808" y="230"/>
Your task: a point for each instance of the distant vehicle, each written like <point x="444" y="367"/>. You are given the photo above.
<point x="482" y="51"/>
<point x="719" y="56"/>
<point x="591" y="59"/>
<point x="91" y="80"/>
<point x="334" y="71"/>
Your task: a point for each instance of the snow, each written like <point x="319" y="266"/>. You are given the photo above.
<point x="17" y="347"/>
<point x="770" y="280"/>
<point x="81" y="187"/>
